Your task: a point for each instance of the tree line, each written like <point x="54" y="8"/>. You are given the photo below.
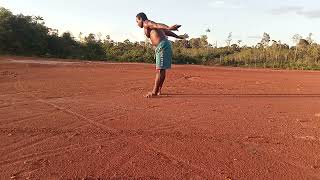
<point x="28" y="36"/>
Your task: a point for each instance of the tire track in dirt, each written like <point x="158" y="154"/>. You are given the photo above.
<point x="126" y="156"/>
<point x="29" y="169"/>
<point x="170" y="158"/>
<point x="5" y="106"/>
<point x="94" y="123"/>
<point x="116" y="131"/>
<point x="54" y="152"/>
<point x="180" y="163"/>
<point x="100" y="125"/>
<point x="31" y="144"/>
<point x="20" y="92"/>
<point x="28" y="101"/>
<point x="62" y="150"/>
<point x="64" y="126"/>
<point x="252" y="142"/>
<point x="38" y="141"/>
<point x="19" y="120"/>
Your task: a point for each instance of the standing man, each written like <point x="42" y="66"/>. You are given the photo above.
<point x="158" y="34"/>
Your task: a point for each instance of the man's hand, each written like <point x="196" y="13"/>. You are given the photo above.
<point x="185" y="36"/>
<point x="175" y="27"/>
<point x="172" y="34"/>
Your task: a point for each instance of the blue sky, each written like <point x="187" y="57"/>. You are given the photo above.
<point x="246" y="19"/>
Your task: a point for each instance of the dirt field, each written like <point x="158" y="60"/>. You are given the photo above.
<point x="83" y="120"/>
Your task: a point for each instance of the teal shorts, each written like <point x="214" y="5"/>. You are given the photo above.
<point x="163" y="55"/>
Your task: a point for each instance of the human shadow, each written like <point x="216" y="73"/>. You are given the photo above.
<point x="243" y="95"/>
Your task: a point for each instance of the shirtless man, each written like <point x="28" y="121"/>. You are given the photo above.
<point x="158" y="34"/>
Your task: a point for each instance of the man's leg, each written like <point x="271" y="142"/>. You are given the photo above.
<point x="162" y="79"/>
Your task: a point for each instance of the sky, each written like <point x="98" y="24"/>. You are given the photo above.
<point x="246" y="19"/>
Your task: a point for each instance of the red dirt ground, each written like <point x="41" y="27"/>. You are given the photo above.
<point x="84" y="120"/>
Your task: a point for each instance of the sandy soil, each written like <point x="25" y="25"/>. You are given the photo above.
<point x="85" y="120"/>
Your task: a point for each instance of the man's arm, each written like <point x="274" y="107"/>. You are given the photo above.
<point x="172" y="34"/>
<point x="154" y="25"/>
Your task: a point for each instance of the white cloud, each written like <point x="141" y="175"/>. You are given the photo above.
<point x="299" y="10"/>
<point x="286" y="9"/>
<point x="231" y="4"/>
<point x="217" y="3"/>
<point x="310" y="13"/>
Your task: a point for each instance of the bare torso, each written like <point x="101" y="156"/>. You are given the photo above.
<point x="155" y="35"/>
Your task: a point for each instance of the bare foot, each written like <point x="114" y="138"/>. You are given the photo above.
<point x="150" y="95"/>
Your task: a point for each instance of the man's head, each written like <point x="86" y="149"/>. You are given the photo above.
<point x="140" y="18"/>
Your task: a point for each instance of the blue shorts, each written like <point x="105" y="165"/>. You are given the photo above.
<point x="164" y="55"/>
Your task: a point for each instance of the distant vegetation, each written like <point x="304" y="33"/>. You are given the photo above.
<point x="28" y="36"/>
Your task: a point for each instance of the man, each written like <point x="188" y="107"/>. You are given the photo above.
<point x="158" y="35"/>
